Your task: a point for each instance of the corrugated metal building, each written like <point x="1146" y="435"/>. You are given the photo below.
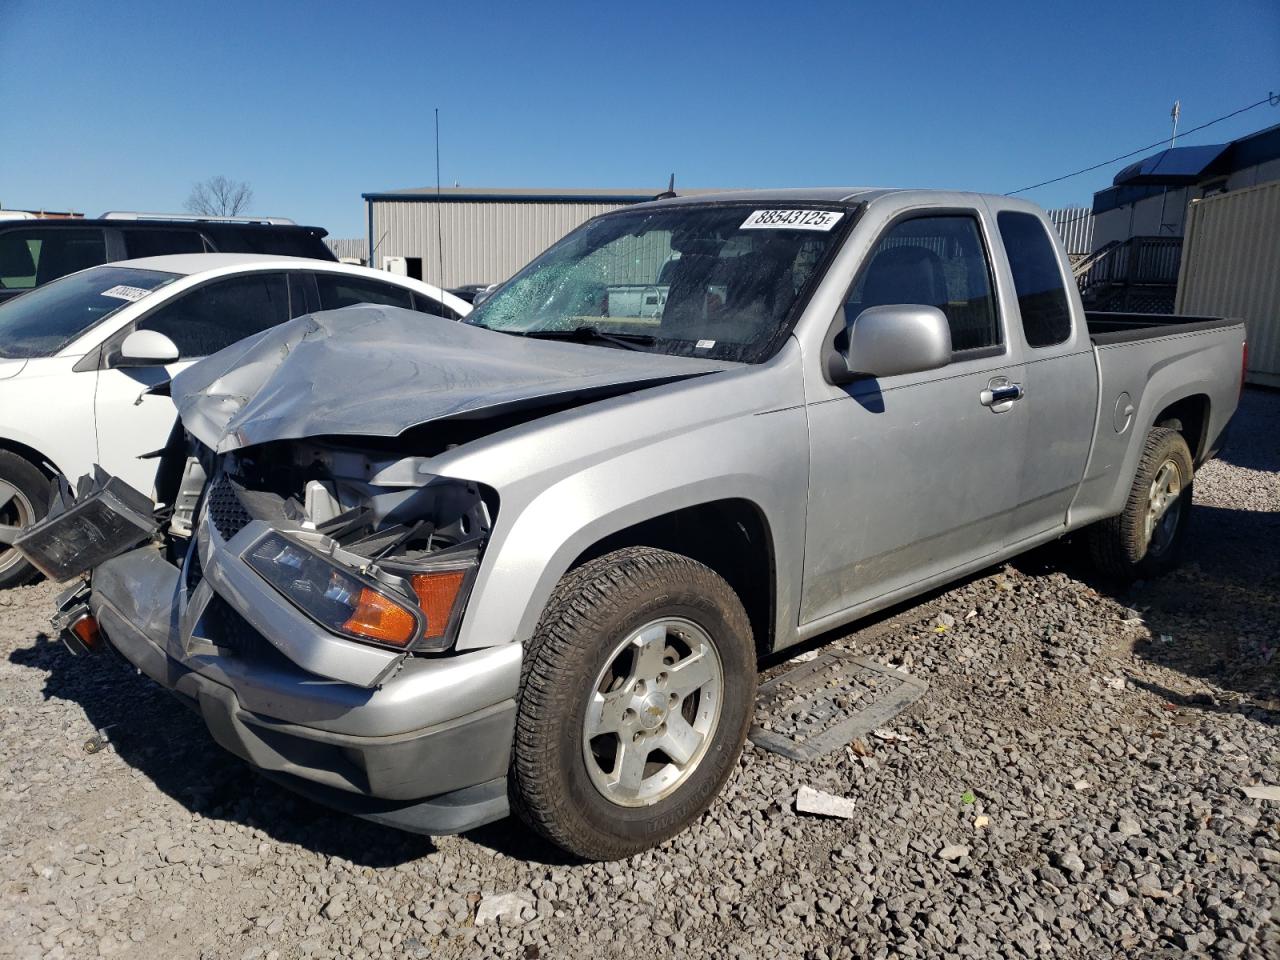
<point x="488" y="233"/>
<point x="1231" y="267"/>
<point x="1075" y="226"/>
<point x="349" y="248"/>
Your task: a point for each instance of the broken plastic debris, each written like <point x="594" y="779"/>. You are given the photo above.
<point x="980" y="822"/>
<point x="1166" y="638"/>
<point x="809" y="800"/>
<point x="890" y="737"/>
<point x="502" y="905"/>
<point x="1263" y="792"/>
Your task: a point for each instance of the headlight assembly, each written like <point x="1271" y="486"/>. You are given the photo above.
<point x="365" y="608"/>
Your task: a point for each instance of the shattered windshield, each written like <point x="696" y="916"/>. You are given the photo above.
<point x="42" y="322"/>
<point x="715" y="281"/>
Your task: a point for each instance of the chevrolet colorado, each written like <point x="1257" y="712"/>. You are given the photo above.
<point x="445" y="571"/>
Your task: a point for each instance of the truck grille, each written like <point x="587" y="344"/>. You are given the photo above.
<point x="222" y="626"/>
<point x="225" y="509"/>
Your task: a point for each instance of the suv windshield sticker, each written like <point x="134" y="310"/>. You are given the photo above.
<point x="122" y="292"/>
<point x="822" y="220"/>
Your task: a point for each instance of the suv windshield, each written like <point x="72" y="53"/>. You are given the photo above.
<point x="716" y="281"/>
<point x="42" y="322"/>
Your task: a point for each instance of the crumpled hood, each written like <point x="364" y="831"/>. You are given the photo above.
<point x="377" y="371"/>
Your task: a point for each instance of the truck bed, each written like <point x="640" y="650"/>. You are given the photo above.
<point x="1105" y="328"/>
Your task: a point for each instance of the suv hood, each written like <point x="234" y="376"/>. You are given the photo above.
<point x="378" y="371"/>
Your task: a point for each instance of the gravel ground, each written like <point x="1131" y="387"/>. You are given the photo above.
<point x="1070" y="786"/>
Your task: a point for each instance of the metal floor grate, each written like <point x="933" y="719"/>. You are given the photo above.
<point x="824" y="704"/>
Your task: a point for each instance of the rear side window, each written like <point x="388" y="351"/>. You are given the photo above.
<point x="938" y="262"/>
<point x="160" y="243"/>
<point x="220" y="313"/>
<point x="1037" y="279"/>
<point x="276" y="241"/>
<point x="35" y="255"/>
<point x="337" y="291"/>
<point x="424" y="304"/>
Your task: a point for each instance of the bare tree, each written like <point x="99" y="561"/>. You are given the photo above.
<point x="219" y="197"/>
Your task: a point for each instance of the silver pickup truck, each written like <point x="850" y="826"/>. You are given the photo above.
<point x="433" y="572"/>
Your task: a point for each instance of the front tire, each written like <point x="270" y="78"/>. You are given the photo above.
<point x="1146" y="539"/>
<point x="24" y="499"/>
<point x="637" y="692"/>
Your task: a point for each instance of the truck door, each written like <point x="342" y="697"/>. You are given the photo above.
<point x="200" y="321"/>
<point x="915" y="475"/>
<point x="1060" y="383"/>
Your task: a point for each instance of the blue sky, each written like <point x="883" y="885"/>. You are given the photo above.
<point x="124" y="104"/>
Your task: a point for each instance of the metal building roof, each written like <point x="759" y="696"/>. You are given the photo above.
<point x="1172" y="167"/>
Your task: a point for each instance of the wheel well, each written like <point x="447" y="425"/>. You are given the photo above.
<point x="1190" y="417"/>
<point x="31" y="455"/>
<point x="729" y="536"/>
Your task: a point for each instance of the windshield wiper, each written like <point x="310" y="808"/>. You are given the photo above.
<point x="586" y="334"/>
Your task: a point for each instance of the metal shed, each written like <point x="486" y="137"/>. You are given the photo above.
<point x="1231" y="267"/>
<point x="488" y="233"/>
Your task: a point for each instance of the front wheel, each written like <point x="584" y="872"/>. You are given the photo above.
<point x="636" y="695"/>
<point x="24" y="499"/>
<point x="1146" y="539"/>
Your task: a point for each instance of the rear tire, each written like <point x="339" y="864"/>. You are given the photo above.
<point x="636" y="695"/>
<point x="1146" y="539"/>
<point x="24" y="499"/>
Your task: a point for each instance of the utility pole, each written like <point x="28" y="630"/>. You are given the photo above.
<point x="1174" y="114"/>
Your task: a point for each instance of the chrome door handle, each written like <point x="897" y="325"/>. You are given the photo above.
<point x="1001" y="394"/>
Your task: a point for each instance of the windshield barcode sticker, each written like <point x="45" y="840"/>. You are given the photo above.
<point x="122" y="292"/>
<point x="822" y="220"/>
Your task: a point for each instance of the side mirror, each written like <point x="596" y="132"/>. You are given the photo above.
<point x="894" y="339"/>
<point x="146" y="348"/>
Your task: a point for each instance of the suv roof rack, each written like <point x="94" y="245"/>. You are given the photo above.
<point x="192" y="218"/>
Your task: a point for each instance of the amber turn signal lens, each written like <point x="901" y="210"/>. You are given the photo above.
<point x="86" y="630"/>
<point x="437" y="593"/>
<point x="379" y="618"/>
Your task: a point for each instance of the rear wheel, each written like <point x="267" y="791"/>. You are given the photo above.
<point x="1146" y="539"/>
<point x="24" y="496"/>
<point x="636" y="696"/>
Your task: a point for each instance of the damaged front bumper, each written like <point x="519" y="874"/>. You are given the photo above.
<point x="420" y="743"/>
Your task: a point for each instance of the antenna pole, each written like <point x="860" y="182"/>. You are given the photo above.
<point x="1174" y="114"/>
<point x="439" y="228"/>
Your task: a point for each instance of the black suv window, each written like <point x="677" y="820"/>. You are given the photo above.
<point x="159" y="243"/>
<point x="1037" y="279"/>
<point x="220" y="313"/>
<point x="938" y="262"/>
<point x="337" y="290"/>
<point x="31" y="256"/>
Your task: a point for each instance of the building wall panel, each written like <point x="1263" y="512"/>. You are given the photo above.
<point x="1231" y="267"/>
<point x="484" y="241"/>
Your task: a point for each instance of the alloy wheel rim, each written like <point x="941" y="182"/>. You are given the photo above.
<point x="1164" y="507"/>
<point x="652" y="712"/>
<point x="15" y="514"/>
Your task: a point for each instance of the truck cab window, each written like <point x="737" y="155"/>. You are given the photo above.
<point x="1037" y="279"/>
<point x="939" y="262"/>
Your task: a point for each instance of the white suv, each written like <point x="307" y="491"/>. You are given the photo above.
<point x="78" y="356"/>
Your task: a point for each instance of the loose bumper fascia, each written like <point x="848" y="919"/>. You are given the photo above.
<point x="325" y="739"/>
